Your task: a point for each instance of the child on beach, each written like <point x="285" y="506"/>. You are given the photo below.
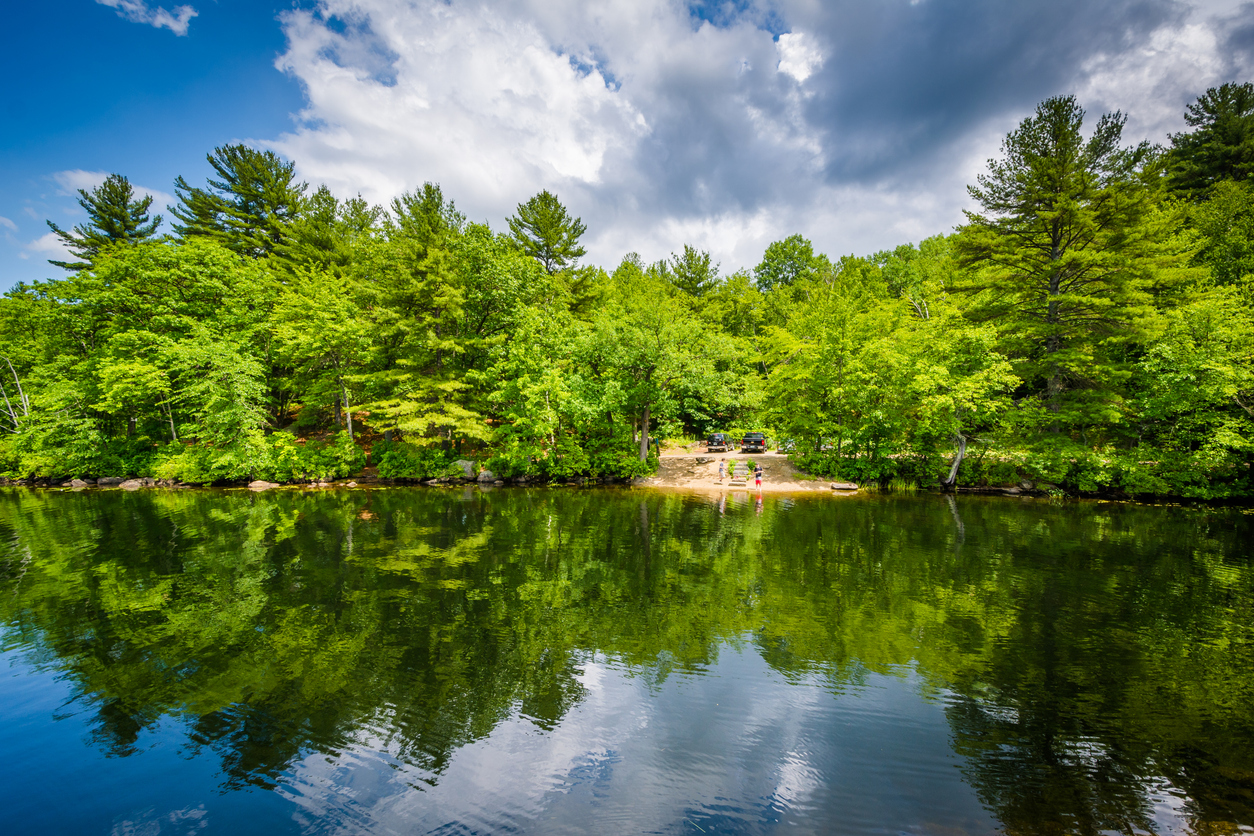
<point x="757" y="476"/>
<point x="722" y="470"/>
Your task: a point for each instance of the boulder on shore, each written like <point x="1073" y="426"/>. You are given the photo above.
<point x="262" y="485"/>
<point x="109" y="481"/>
<point x="132" y="485"/>
<point x="487" y="476"/>
<point x="843" y="486"/>
<point x="77" y="483"/>
<point x="468" y="468"/>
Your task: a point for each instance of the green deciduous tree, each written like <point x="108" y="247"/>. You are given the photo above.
<point x="114" y="216"/>
<point x="787" y="261"/>
<point x="547" y="232"/>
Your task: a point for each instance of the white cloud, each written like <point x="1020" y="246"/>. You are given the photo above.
<point x="49" y="246"/>
<point x="799" y="56"/>
<point x="74" y="179"/>
<point x="138" y="11"/>
<point x="8" y="224"/>
<point x="660" y="129"/>
<point x="1154" y="81"/>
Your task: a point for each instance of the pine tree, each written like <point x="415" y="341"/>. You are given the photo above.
<point x="1061" y="253"/>
<point x="248" y="208"/>
<point x="1221" y="146"/>
<point x="114" y="216"/>
<point x="547" y="233"/>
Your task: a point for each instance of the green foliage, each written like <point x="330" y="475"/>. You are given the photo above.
<point x="787" y="262"/>
<point x="1085" y="328"/>
<point x="248" y="208"/>
<point x="1061" y="257"/>
<point x="400" y="460"/>
<point x="114" y="216"/>
<point x="1220" y="146"/>
<point x="546" y="232"/>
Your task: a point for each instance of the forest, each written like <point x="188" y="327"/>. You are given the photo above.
<point x="1089" y="328"/>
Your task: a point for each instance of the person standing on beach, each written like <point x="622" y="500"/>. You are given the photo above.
<point x="722" y="470"/>
<point x="757" y="475"/>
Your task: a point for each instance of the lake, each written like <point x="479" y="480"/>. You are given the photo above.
<point x="555" y="661"/>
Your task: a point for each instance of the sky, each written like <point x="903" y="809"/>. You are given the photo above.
<point x="856" y="123"/>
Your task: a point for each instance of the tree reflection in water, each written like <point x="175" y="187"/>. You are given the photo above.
<point x="1093" y="659"/>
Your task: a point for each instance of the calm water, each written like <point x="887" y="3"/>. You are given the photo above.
<point x="556" y="661"/>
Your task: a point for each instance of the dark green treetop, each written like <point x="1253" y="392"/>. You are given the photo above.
<point x="114" y="216"/>
<point x="547" y="232"/>
<point x="248" y="208"/>
<point x="1221" y="144"/>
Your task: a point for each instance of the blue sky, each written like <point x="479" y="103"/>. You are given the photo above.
<point x="660" y="122"/>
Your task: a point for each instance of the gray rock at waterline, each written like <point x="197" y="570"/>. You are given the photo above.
<point x="261" y="485"/>
<point x="498" y="483"/>
<point x="487" y="476"/>
<point x="109" y="481"/>
<point x="77" y="483"/>
<point x="844" y="486"/>
<point x="132" y="485"/>
<point x="468" y="468"/>
<point x="1026" y="485"/>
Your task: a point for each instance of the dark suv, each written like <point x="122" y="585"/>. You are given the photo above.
<point x="718" y="443"/>
<point x="753" y="443"/>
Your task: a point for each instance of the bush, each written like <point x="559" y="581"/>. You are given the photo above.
<point x="402" y="460"/>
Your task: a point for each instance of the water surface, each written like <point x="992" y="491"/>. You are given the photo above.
<point x="558" y="661"/>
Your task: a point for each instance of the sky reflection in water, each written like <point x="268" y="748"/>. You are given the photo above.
<point x="552" y="661"/>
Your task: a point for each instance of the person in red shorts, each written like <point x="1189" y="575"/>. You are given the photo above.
<point x="757" y="476"/>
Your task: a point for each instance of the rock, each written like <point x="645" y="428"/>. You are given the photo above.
<point x="261" y="485"/>
<point x="109" y="481"/>
<point x="77" y="483"/>
<point x="352" y="484"/>
<point x="468" y="468"/>
<point x="131" y="485"/>
<point x="843" y="486"/>
<point x="67" y="484"/>
<point x="498" y="483"/>
<point x="704" y="459"/>
<point x="1026" y="485"/>
<point x="487" y="476"/>
<point x="432" y="482"/>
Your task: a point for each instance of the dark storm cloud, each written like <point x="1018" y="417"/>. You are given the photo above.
<point x="903" y="81"/>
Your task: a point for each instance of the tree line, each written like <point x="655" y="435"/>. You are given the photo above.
<point x="1089" y="327"/>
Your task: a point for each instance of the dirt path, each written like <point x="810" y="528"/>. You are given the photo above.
<point x="700" y="471"/>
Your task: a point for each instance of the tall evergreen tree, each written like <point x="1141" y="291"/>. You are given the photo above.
<point x="1221" y="146"/>
<point x="248" y="207"/>
<point x="114" y="216"/>
<point x="1061" y="252"/>
<point x="547" y="233"/>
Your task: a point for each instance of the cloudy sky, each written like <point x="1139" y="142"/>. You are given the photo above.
<point x="857" y="123"/>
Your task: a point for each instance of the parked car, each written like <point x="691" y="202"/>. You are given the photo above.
<point x="718" y="443"/>
<point x="753" y="443"/>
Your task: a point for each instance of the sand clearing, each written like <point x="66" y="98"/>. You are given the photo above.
<point x="700" y="471"/>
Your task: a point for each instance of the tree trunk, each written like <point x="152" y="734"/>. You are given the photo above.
<point x="951" y="481"/>
<point x="644" y="434"/>
<point x="348" y="412"/>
